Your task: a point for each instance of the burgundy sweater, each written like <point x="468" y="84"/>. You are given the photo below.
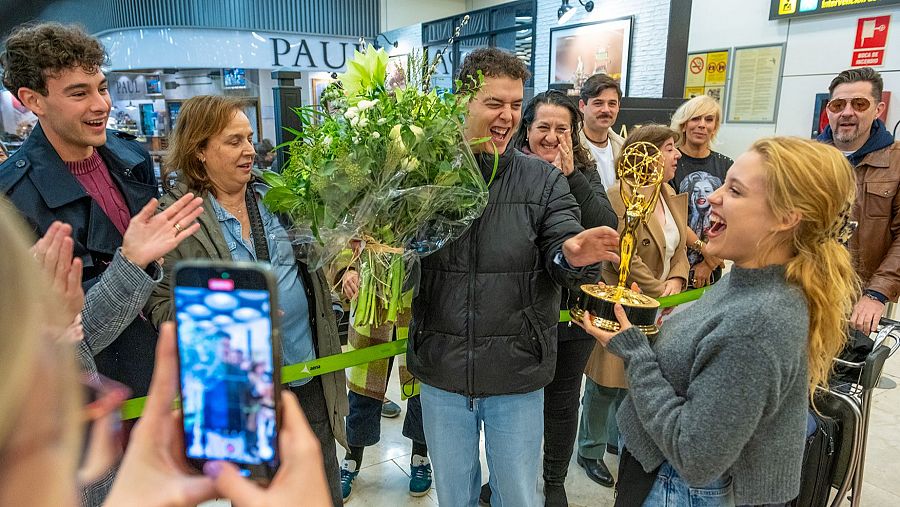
<point x="94" y="176"/>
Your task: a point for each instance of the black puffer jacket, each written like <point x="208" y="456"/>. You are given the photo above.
<point x="484" y="320"/>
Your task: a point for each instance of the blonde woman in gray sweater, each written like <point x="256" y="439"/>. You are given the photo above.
<point x="717" y="406"/>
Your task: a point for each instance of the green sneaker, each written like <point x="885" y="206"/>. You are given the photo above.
<point x="349" y="471"/>
<point x="419" y="475"/>
<point x="389" y="409"/>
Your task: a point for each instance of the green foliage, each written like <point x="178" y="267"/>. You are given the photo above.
<point x="390" y="166"/>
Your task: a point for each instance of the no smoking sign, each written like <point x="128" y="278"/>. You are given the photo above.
<point x="697" y="65"/>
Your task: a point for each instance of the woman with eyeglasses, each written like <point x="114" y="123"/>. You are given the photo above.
<point x="550" y="128"/>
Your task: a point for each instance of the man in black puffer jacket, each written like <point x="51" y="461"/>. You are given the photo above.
<point x="483" y="333"/>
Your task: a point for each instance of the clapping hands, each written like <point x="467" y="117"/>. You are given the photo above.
<point x="151" y="235"/>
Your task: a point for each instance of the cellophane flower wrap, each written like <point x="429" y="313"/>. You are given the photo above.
<point x="390" y="168"/>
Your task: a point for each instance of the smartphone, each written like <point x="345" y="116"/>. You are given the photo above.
<point x="229" y="354"/>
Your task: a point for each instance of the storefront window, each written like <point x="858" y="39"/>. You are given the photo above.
<point x="508" y="26"/>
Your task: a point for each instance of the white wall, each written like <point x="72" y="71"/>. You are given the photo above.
<point x="648" y="48"/>
<point x="817" y="49"/>
<point x="401" y="13"/>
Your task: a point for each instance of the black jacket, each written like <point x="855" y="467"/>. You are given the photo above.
<point x="484" y="320"/>
<point x="40" y="185"/>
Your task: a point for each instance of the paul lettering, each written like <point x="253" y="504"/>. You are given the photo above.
<point x="287" y="48"/>
<point x="325" y="46"/>
<point x="303" y="50"/>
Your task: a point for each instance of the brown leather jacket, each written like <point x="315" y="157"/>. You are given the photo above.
<point x="875" y="246"/>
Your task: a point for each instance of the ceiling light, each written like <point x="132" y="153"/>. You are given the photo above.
<point x="565" y="11"/>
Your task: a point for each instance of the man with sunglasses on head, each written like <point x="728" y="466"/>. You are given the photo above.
<point x="854" y="128"/>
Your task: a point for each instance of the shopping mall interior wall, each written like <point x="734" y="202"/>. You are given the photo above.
<point x="648" y="48"/>
<point x="817" y="49"/>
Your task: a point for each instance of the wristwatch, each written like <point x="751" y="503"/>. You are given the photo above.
<point x="874" y="295"/>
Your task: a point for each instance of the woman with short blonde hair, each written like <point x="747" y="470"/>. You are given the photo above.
<point x="700" y="172"/>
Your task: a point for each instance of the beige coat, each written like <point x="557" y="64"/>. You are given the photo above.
<point x="603" y="367"/>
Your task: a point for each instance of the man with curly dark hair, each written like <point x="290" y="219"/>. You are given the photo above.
<point x="483" y="335"/>
<point x="72" y="170"/>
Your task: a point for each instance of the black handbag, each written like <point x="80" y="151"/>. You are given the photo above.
<point x="634" y="483"/>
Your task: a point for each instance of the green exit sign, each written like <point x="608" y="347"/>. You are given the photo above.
<point x="781" y="9"/>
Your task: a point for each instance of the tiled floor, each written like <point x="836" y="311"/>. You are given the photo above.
<point x="383" y="479"/>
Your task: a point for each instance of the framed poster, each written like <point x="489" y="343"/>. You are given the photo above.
<point x="755" y="84"/>
<point x="578" y="52"/>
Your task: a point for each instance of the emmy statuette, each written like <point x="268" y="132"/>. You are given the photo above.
<point x="640" y="171"/>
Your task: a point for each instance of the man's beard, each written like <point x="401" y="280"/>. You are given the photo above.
<point x="848" y="137"/>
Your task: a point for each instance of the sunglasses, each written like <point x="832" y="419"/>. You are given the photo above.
<point x="859" y="104"/>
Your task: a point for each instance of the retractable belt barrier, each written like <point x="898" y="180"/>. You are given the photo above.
<point x="131" y="409"/>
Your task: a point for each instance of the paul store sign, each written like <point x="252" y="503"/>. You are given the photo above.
<point x="160" y="48"/>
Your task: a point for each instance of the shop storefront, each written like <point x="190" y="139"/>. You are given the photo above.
<point x="153" y="71"/>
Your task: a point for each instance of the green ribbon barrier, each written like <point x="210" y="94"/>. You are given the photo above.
<point x="131" y="409"/>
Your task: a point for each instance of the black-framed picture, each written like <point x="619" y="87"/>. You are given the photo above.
<point x="578" y="52"/>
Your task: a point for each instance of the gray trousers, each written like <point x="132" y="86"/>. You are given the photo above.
<point x="598" y="419"/>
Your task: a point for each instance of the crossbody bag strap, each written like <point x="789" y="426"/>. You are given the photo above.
<point x="257" y="229"/>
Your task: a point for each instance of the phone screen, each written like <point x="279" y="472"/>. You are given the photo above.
<point x="228" y="384"/>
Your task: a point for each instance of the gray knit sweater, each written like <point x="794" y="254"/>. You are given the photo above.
<point x="723" y="390"/>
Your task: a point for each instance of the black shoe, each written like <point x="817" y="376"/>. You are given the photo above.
<point x="612" y="449"/>
<point x="596" y="470"/>
<point x="484" y="498"/>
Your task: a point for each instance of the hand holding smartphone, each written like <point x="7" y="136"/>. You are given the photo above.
<point x="229" y="354"/>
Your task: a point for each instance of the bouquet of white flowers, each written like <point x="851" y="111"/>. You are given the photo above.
<point x="390" y="168"/>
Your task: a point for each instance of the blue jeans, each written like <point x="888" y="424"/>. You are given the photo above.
<point x="671" y="490"/>
<point x="364" y="420"/>
<point x="513" y="429"/>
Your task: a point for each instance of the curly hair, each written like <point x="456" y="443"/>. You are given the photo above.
<point x="37" y="52"/>
<point x="582" y="157"/>
<point x="492" y="62"/>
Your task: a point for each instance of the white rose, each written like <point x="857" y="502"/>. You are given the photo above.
<point x="375" y="135"/>
<point x="366" y="104"/>
<point x="363" y="122"/>
<point x="354" y="121"/>
<point x="351" y="113"/>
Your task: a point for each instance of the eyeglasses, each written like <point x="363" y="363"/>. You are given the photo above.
<point x="859" y="104"/>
